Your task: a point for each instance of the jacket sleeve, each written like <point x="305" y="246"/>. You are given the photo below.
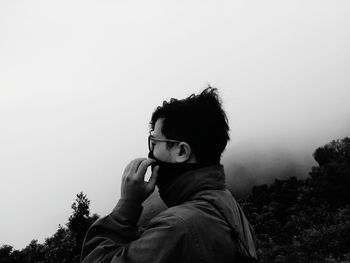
<point x="115" y="238"/>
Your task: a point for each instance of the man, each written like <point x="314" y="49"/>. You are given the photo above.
<point x="203" y="222"/>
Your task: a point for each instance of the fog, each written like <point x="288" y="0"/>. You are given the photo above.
<point x="79" y="81"/>
<point x="246" y="168"/>
<point x="254" y="162"/>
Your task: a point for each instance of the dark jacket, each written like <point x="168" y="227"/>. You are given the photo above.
<point x="202" y="224"/>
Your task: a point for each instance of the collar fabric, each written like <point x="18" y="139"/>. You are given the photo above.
<point x="183" y="186"/>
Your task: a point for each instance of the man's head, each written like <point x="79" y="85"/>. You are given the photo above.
<point x="197" y="127"/>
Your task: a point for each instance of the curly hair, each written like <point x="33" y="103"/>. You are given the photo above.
<point x="198" y="120"/>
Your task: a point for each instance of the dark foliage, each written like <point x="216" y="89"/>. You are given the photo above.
<point x="64" y="246"/>
<point x="80" y="221"/>
<point x="306" y="220"/>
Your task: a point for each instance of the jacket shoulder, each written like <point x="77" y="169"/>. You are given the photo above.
<point x="181" y="217"/>
<point x="172" y="218"/>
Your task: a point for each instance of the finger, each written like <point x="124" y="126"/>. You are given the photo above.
<point x="153" y="179"/>
<point x="140" y="174"/>
<point x="127" y="169"/>
<point x="136" y="163"/>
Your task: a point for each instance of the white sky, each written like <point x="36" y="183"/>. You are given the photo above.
<point x="80" y="79"/>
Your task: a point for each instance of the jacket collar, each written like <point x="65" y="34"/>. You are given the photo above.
<point x="189" y="183"/>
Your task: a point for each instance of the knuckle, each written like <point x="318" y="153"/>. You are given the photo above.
<point x="130" y="180"/>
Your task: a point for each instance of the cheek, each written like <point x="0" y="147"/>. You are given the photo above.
<point x="161" y="153"/>
<point x="157" y="151"/>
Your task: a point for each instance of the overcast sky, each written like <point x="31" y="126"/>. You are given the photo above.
<point x="80" y="79"/>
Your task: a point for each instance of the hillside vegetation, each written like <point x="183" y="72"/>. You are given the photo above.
<point x="306" y="220"/>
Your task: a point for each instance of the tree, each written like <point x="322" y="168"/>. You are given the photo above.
<point x="33" y="253"/>
<point x="64" y="246"/>
<point x="59" y="247"/>
<point x="306" y="220"/>
<point x="336" y="151"/>
<point x="5" y="253"/>
<point x="331" y="179"/>
<point x="80" y="221"/>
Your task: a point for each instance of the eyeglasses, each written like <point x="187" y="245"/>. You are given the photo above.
<point x="152" y="139"/>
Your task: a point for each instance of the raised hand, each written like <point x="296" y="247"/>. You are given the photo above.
<point x="133" y="185"/>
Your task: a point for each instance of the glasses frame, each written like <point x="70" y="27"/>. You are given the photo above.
<point x="152" y="138"/>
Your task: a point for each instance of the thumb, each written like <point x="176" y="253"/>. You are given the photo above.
<point x="153" y="179"/>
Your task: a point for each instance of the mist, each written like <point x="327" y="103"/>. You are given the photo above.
<point x="79" y="81"/>
<point x="252" y="163"/>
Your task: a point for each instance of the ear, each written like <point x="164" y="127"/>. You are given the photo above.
<point x="184" y="152"/>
